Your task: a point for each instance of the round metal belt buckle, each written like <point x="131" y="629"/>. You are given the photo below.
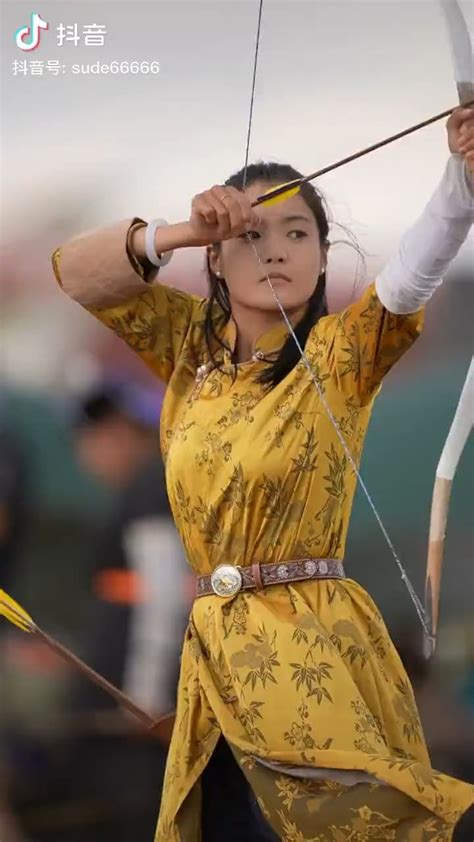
<point x="226" y="580"/>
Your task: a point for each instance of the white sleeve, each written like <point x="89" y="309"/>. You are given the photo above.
<point x="427" y="248"/>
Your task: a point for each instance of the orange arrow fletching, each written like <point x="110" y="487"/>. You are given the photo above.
<point x="14" y="613"/>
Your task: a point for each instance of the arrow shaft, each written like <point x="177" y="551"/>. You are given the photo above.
<point x="93" y="676"/>
<point x="271" y="194"/>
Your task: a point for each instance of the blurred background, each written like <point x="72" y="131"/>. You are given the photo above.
<point x="83" y="508"/>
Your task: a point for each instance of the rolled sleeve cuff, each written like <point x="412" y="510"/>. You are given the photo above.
<point x="98" y="268"/>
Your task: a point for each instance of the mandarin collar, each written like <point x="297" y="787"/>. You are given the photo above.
<point x="267" y="343"/>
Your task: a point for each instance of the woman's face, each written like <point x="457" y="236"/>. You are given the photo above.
<point x="287" y="243"/>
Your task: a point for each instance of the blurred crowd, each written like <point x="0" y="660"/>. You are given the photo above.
<point x="78" y="768"/>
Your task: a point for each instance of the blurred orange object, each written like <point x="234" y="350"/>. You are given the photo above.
<point x="120" y="585"/>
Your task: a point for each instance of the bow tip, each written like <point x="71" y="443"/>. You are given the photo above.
<point x="429" y="646"/>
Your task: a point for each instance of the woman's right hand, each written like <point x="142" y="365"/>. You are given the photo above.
<point x="220" y="214"/>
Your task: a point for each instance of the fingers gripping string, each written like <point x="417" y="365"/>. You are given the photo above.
<point x="411" y="590"/>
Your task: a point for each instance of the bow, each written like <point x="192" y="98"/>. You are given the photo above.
<point x="462" y="53"/>
<point x="461" y="50"/>
<point x="461" y="427"/>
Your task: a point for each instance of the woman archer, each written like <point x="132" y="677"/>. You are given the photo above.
<point x="295" y="717"/>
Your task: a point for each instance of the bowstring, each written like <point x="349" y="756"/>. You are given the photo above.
<point x="252" y="96"/>
<point x="422" y="614"/>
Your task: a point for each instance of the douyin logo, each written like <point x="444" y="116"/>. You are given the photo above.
<point x="28" y="37"/>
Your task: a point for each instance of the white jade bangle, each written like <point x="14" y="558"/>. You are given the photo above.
<point x="153" y="257"/>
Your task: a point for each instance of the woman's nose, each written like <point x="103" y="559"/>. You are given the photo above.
<point x="270" y="260"/>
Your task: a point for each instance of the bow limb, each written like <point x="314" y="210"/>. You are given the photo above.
<point x="462" y="55"/>
<point x="457" y="437"/>
<point x="461" y="49"/>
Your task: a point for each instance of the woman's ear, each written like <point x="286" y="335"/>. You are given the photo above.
<point x="214" y="259"/>
<point x="324" y="256"/>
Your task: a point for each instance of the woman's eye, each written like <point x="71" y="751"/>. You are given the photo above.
<point x="300" y="233"/>
<point x="245" y="236"/>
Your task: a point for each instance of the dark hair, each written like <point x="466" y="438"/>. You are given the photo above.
<point x="289" y="355"/>
<point x="131" y="402"/>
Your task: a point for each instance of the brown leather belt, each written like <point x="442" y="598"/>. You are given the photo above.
<point x="227" y="580"/>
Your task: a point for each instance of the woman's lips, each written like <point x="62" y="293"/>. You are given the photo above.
<point x="274" y="276"/>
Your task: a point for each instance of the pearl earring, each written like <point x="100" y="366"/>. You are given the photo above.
<point x="218" y="274"/>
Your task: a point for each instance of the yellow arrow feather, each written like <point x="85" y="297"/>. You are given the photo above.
<point x="287" y="194"/>
<point x="14" y="613"/>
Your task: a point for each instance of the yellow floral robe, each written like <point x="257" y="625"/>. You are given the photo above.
<point x="302" y="680"/>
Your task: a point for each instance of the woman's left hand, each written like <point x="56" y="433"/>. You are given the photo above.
<point x="460" y="128"/>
